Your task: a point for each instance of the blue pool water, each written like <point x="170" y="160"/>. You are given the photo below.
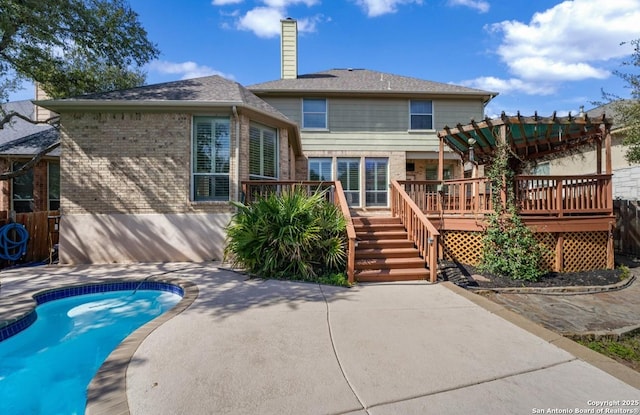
<point x="46" y="368"/>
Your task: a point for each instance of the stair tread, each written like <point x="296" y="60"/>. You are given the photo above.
<point x="391" y="260"/>
<point x="388" y="275"/>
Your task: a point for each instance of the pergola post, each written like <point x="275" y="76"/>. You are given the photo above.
<point x="502" y="141"/>
<point x="609" y="195"/>
<point x="441" y="160"/>
<point x="598" y="156"/>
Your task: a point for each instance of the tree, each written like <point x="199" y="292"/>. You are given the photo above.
<point x="628" y="110"/>
<point x="72" y="47"/>
<point x="69" y="47"/>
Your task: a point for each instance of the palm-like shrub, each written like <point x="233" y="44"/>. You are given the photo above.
<point x="288" y="236"/>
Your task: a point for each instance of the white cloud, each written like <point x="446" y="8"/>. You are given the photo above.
<point x="186" y="70"/>
<point x="480" y="5"/>
<point x="283" y="4"/>
<point x="225" y="2"/>
<point x="509" y="86"/>
<point x="570" y="41"/>
<point x="375" y="8"/>
<point x="263" y="21"/>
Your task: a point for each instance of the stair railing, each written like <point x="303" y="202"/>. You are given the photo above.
<point x="341" y="201"/>
<point x="419" y="229"/>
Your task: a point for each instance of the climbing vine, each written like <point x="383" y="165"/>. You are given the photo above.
<point x="509" y="247"/>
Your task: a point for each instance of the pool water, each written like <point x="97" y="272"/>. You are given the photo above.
<point x="46" y="368"/>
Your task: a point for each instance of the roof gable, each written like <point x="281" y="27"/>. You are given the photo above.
<point x="20" y="137"/>
<point x="364" y="81"/>
<point x="208" y="90"/>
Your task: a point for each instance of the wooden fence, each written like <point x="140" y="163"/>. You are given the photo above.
<point x="626" y="235"/>
<point x="43" y="234"/>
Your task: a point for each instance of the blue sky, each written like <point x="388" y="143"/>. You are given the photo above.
<point x="540" y="55"/>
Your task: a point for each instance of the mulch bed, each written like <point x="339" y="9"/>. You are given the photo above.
<point x="467" y="276"/>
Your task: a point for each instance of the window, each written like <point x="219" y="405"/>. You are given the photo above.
<point x="349" y="176"/>
<point x="432" y="172"/>
<point x="376" y="186"/>
<point x="54" y="185"/>
<point x="211" y="150"/>
<point x="314" y="114"/>
<point x="22" y="190"/>
<point x="263" y="153"/>
<point x="421" y="115"/>
<point x="320" y="169"/>
<point x="542" y="169"/>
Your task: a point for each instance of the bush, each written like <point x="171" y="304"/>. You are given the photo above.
<point x="510" y="249"/>
<point x="289" y="236"/>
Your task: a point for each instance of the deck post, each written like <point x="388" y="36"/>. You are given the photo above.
<point x="559" y="252"/>
<point x="610" y="247"/>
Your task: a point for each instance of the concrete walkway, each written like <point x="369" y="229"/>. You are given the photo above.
<point x="271" y="347"/>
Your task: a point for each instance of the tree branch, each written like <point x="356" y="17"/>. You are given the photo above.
<point x="6" y="119"/>
<point x="29" y="165"/>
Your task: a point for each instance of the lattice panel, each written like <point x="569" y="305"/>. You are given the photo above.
<point x="463" y="247"/>
<point x="585" y="251"/>
<point x="547" y="242"/>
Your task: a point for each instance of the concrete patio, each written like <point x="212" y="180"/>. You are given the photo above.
<point x="272" y="347"/>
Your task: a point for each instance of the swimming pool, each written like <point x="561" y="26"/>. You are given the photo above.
<point x="46" y="368"/>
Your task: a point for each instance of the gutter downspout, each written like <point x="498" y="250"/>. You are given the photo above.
<point x="237" y="153"/>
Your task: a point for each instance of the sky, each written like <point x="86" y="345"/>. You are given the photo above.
<point x="539" y="55"/>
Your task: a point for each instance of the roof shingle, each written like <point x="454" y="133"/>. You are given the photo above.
<point x="363" y="81"/>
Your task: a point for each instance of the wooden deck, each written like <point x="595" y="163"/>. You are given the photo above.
<point x="546" y="203"/>
<point x="572" y="216"/>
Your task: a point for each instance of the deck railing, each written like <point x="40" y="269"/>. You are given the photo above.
<point x="535" y="195"/>
<point x="420" y="230"/>
<point x="341" y="201"/>
<point x="564" y="195"/>
<point x="255" y="189"/>
<point x="460" y="196"/>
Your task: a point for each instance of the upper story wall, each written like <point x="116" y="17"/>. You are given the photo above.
<point x="376" y="124"/>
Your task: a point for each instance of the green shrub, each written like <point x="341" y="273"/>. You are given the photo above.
<point x="288" y="236"/>
<point x="508" y="247"/>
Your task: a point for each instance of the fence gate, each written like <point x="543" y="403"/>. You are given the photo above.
<point x="626" y="236"/>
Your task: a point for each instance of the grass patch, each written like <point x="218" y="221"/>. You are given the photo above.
<point x="625" y="350"/>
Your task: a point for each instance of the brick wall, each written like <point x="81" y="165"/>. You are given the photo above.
<point x="139" y="163"/>
<point x="128" y="162"/>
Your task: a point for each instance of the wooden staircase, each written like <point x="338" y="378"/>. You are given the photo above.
<point x="384" y="252"/>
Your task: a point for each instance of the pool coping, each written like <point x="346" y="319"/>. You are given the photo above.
<point x="107" y="392"/>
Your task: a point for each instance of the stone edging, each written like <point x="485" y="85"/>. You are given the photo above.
<point x="575" y="290"/>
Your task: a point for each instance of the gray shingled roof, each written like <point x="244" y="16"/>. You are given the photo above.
<point x="362" y="81"/>
<point x="210" y="89"/>
<point x="23" y="138"/>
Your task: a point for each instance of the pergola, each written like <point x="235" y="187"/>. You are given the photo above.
<point x="529" y="138"/>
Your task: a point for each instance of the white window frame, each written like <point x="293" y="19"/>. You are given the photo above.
<point x="347" y="190"/>
<point x="320" y="160"/>
<point x="411" y="114"/>
<point x="326" y="112"/>
<point x="212" y="174"/>
<point x="261" y="176"/>
<point x="376" y="190"/>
